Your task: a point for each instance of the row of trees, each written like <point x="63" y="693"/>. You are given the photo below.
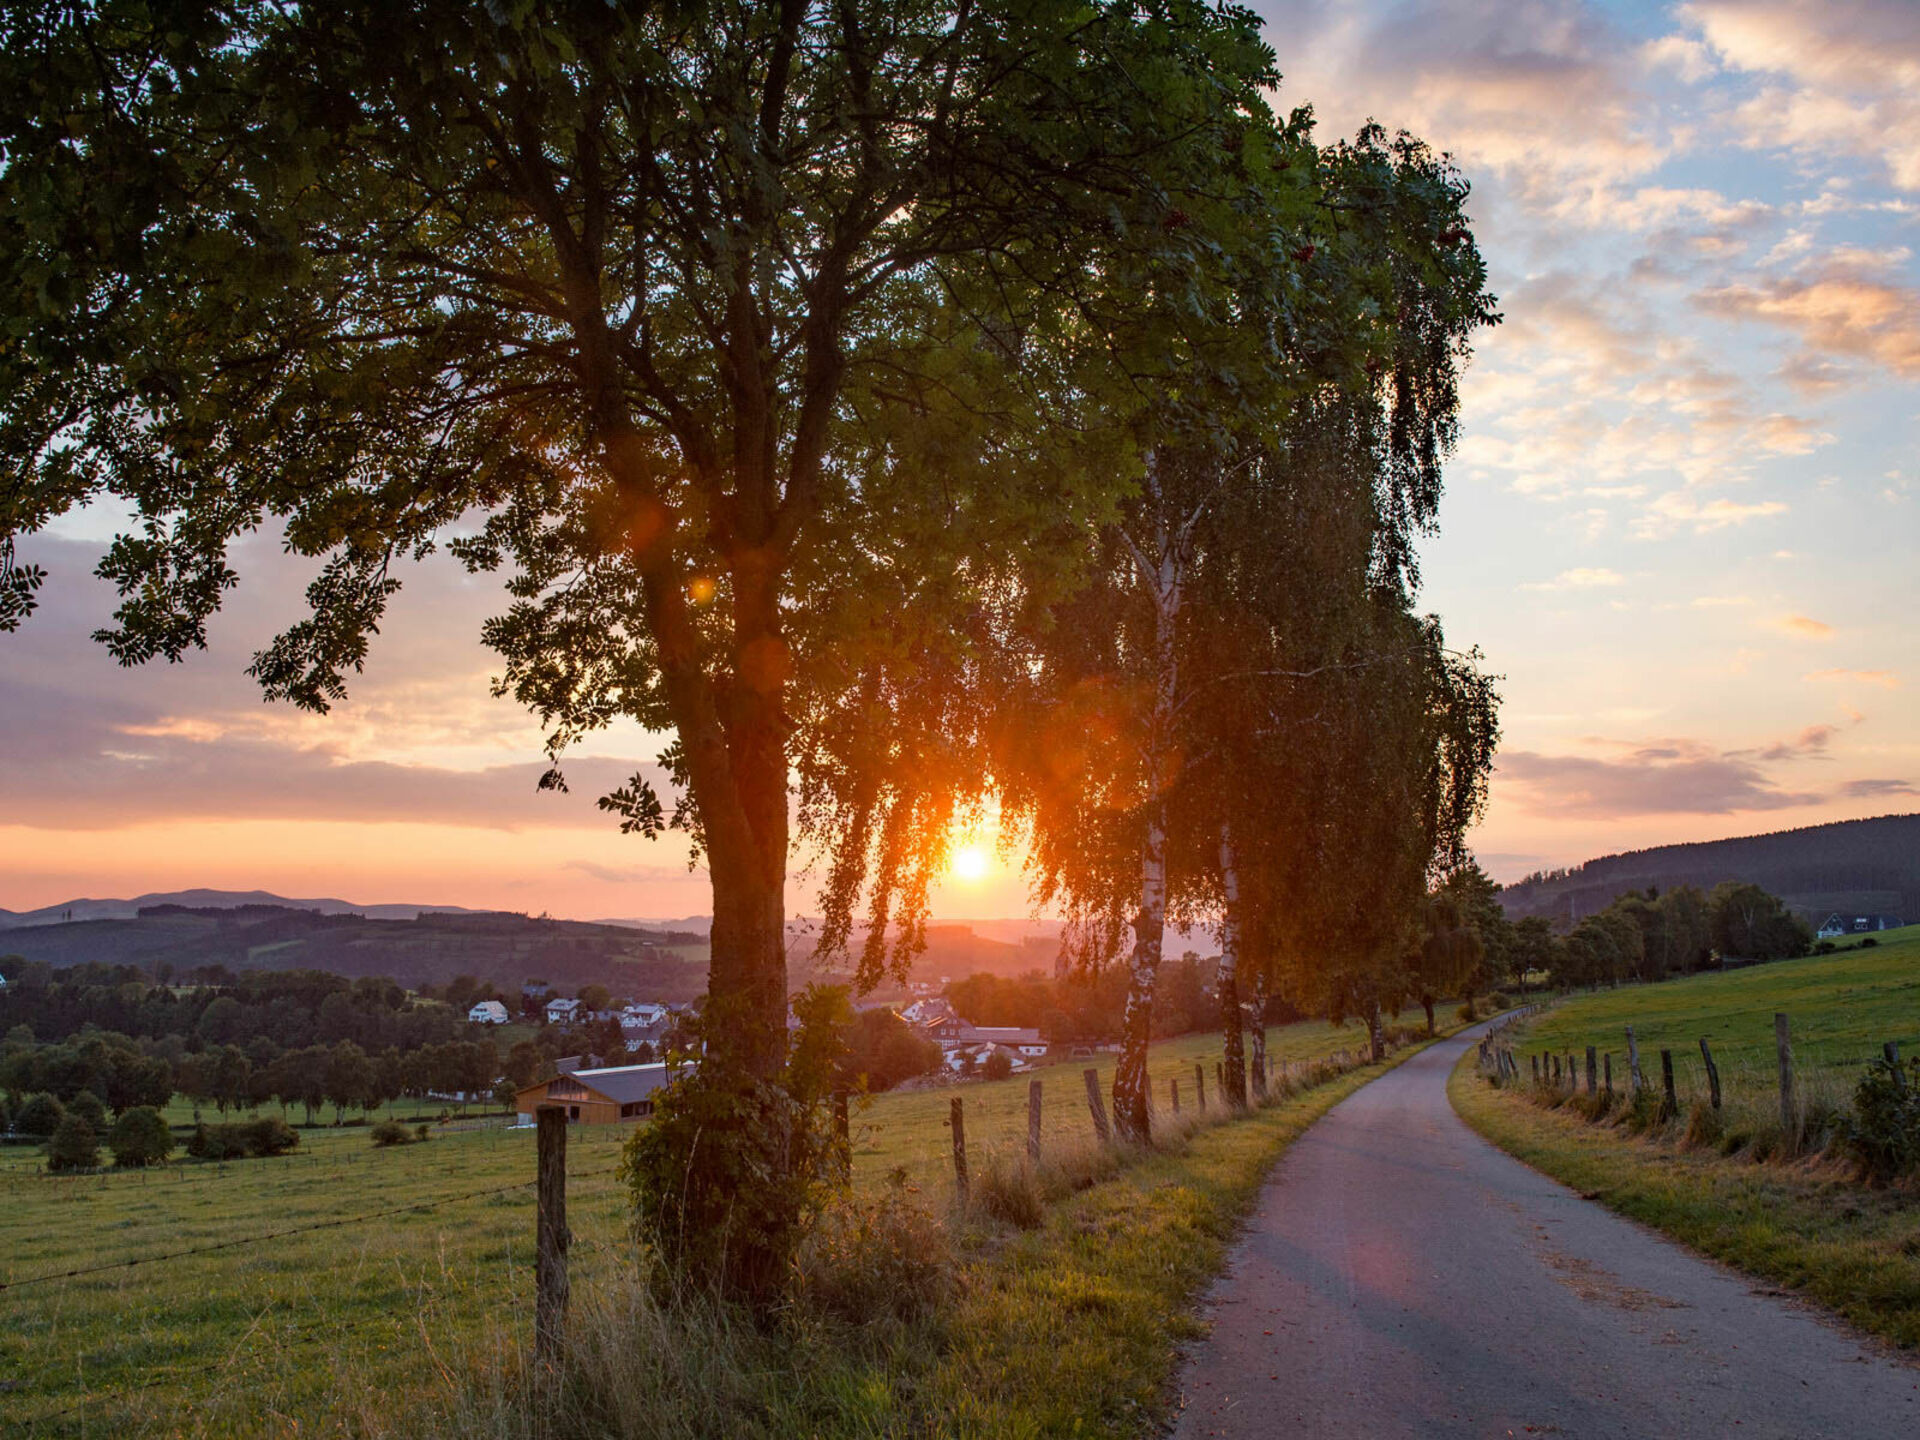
<point x="852" y="392"/>
<point x="289" y="1008"/>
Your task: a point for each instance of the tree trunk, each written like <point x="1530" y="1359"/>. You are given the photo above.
<point x="1162" y="576"/>
<point x="1131" y="1101"/>
<point x="1427" y="1001"/>
<point x="1235" y="1068"/>
<point x="1258" y="1035"/>
<point x="1376" y="1046"/>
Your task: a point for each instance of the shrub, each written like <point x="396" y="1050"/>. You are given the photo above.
<point x="420" y="1131"/>
<point x="267" y="1135"/>
<point x="1466" y="1012"/>
<point x="40" y="1115"/>
<point x="140" y="1137"/>
<point x="391" y="1132"/>
<point x="1884" y="1133"/>
<point x="270" y="1135"/>
<point x="999" y="1066"/>
<point x="73" y="1146"/>
<point x="89" y="1108"/>
<point x="880" y="1259"/>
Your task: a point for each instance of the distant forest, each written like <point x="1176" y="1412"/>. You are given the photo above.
<point x="1855" y="866"/>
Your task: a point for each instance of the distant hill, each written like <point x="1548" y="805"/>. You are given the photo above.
<point x="1865" y="866"/>
<point x="430" y="948"/>
<point x="213" y="900"/>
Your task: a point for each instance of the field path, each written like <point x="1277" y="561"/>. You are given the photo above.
<point x="1403" y="1277"/>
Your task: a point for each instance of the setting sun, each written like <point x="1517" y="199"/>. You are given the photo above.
<point x="970" y="862"/>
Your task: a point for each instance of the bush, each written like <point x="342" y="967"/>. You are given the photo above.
<point x="884" y="1259"/>
<point x="392" y="1132"/>
<point x="40" y="1115"/>
<point x="267" y="1135"/>
<point x="88" y="1107"/>
<point x="73" y="1146"/>
<point x="1884" y="1132"/>
<point x="270" y="1135"/>
<point x="999" y="1066"/>
<point x="140" y="1137"/>
<point x="1466" y="1012"/>
<point x="420" y="1131"/>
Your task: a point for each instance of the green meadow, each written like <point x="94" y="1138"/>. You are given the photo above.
<point x="294" y="1334"/>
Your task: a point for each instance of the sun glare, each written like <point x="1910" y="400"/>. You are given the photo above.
<point x="970" y="862"/>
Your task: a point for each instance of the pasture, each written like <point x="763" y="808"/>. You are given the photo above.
<point x="1842" y="1006"/>
<point x="286" y="1334"/>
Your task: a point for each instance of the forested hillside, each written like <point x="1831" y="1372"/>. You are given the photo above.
<point x="428" y="950"/>
<point x="1866" y="866"/>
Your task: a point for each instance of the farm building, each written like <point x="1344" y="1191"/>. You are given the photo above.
<point x="597" y="1097"/>
<point x="1838" y="924"/>
<point x="562" y="1011"/>
<point x="488" y="1012"/>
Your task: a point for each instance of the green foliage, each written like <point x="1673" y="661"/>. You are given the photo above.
<point x="40" y="1114"/>
<point x="1746" y="922"/>
<point x="1884" y="1133"/>
<point x="89" y="1108"/>
<point x="140" y="1137"/>
<point x="391" y="1132"/>
<point x="718" y="1137"/>
<point x="73" y="1146"/>
<point x="263" y="1136"/>
<point x="883" y="1050"/>
<point x="998" y="1066"/>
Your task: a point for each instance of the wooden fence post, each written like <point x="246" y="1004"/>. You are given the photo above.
<point x="1783" y="1047"/>
<point x="550" y="1235"/>
<point x="1593" y="1070"/>
<point x="1892" y="1052"/>
<point x="1669" y="1102"/>
<point x="1098" y="1106"/>
<point x="1635" y="1080"/>
<point x="1607" y="1071"/>
<point x="1534" y="1061"/>
<point x="1173" y="1089"/>
<point x="1200" y="1084"/>
<point x="959" y="1123"/>
<point x="1713" y="1072"/>
<point x="1220" y="1083"/>
<point x="1556" y="1071"/>
<point x="1033" y="1121"/>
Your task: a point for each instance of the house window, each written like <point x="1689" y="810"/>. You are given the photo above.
<point x="573" y="1112"/>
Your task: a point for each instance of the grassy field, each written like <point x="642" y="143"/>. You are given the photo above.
<point x="277" y="1336"/>
<point x="1843" y="1007"/>
<point x="1802" y="1221"/>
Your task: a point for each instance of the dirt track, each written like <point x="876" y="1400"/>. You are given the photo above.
<point x="1402" y="1277"/>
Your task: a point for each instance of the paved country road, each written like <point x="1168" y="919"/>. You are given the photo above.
<point x="1402" y="1277"/>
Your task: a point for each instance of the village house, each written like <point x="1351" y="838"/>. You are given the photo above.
<point x="561" y="1011"/>
<point x="596" y="1097"/>
<point x="1836" y="925"/>
<point x="488" y="1012"/>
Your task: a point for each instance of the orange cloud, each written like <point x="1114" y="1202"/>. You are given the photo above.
<point x="1886" y="679"/>
<point x="1804" y="626"/>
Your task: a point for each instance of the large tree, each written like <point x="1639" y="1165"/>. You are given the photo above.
<point x="737" y="321"/>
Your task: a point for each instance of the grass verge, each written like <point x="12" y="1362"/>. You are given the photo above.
<point x="1805" y="1225"/>
<point x="1065" y="1314"/>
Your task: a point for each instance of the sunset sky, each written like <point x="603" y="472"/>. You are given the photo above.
<point x="1682" y="521"/>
